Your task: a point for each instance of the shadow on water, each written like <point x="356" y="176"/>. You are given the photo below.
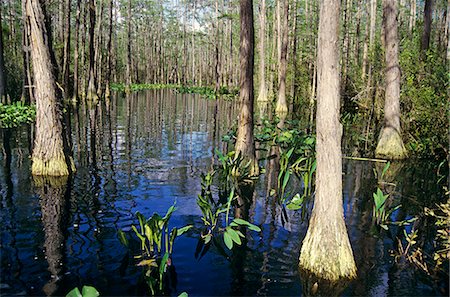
<point x="145" y="151"/>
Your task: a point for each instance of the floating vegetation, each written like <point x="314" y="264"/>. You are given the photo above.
<point x="16" y="114"/>
<point x="209" y="92"/>
<point x="140" y="87"/>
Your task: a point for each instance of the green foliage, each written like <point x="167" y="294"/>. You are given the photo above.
<point x="424" y="98"/>
<point x="87" y="291"/>
<point x="297" y="156"/>
<point x="209" y="92"/>
<point x="213" y="213"/>
<point x="156" y="246"/>
<point x="16" y="114"/>
<point x="140" y="87"/>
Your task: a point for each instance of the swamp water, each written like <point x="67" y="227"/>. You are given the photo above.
<point x="146" y="153"/>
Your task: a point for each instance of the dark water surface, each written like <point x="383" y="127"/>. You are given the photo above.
<point x="143" y="155"/>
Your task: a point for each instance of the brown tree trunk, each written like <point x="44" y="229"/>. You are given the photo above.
<point x="262" y="94"/>
<point x="245" y="144"/>
<point x="412" y="15"/>
<point x="3" y="98"/>
<point x="326" y="251"/>
<point x="48" y="152"/>
<point x="128" y="79"/>
<point x="390" y="144"/>
<point x="92" y="91"/>
<point x="281" y="108"/>
<point x="66" y="58"/>
<point x="76" y="53"/>
<point x="427" y="19"/>
<point x="109" y="50"/>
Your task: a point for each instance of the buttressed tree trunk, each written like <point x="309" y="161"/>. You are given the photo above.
<point x="390" y="144"/>
<point x="48" y="152"/>
<point x="245" y="141"/>
<point x="326" y="251"/>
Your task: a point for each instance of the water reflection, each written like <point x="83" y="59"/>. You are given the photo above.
<point x="145" y="151"/>
<point x="53" y="197"/>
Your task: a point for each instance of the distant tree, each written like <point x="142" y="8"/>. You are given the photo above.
<point x="2" y="65"/>
<point x="390" y="143"/>
<point x="427" y="19"/>
<point x="48" y="152"/>
<point x="262" y="94"/>
<point x="326" y="251"/>
<point x="281" y="108"/>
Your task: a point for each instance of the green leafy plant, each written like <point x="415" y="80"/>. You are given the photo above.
<point x="156" y="246"/>
<point x="86" y="291"/>
<point x="216" y="216"/>
<point x="16" y="114"/>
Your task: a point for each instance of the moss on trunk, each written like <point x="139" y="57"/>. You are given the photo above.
<point x="390" y="145"/>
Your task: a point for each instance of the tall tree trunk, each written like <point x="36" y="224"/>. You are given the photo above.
<point x="245" y="144"/>
<point x="92" y="91"/>
<point x="262" y="94"/>
<point x="412" y="15"/>
<point x="49" y="156"/>
<point x="128" y="79"/>
<point x="390" y="144"/>
<point x="427" y="19"/>
<point x="3" y="98"/>
<point x="281" y="108"/>
<point x="76" y="54"/>
<point x="326" y="252"/>
<point x="109" y="50"/>
<point x="66" y="58"/>
<point x="217" y="65"/>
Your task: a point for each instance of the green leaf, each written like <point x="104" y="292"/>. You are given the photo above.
<point x="286" y="179"/>
<point x="163" y="265"/>
<point x="245" y="223"/>
<point x="123" y="238"/>
<point x="184" y="294"/>
<point x="89" y="291"/>
<point x="234" y="235"/>
<point x="184" y="229"/>
<point x="228" y="241"/>
<point x="75" y="292"/>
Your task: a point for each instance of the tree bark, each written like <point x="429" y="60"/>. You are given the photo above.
<point x="3" y="98"/>
<point x="92" y="91"/>
<point x="326" y="251"/>
<point x="109" y="50"/>
<point x="66" y="58"/>
<point x="390" y="144"/>
<point x="245" y="142"/>
<point x="262" y="94"/>
<point x="412" y="16"/>
<point x="427" y="19"/>
<point x="128" y="79"/>
<point x="281" y="108"/>
<point x="48" y="156"/>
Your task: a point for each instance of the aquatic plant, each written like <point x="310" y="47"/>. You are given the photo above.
<point x="209" y="92"/>
<point x="139" y="87"/>
<point x="16" y="114"/>
<point x="156" y="246"/>
<point x="86" y="291"/>
<point x="213" y="213"/>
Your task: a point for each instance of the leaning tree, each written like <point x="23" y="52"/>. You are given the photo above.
<point x="49" y="156"/>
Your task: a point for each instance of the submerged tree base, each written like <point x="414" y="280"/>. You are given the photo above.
<point x="326" y="251"/>
<point x="53" y="167"/>
<point x="390" y="145"/>
<point x="312" y="285"/>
